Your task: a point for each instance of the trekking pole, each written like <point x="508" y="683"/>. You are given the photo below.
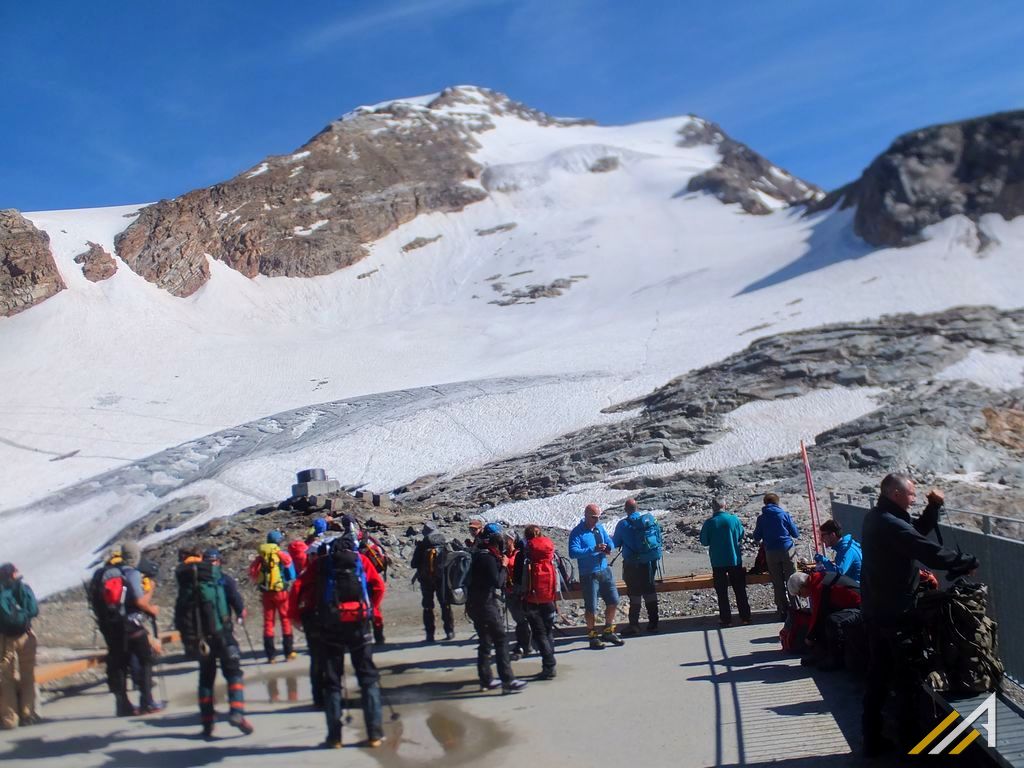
<point x="346" y="713"/>
<point x="387" y="703"/>
<point x="159" y="665"/>
<point x="248" y="639"/>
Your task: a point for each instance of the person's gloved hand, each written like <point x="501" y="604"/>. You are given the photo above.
<point x="819" y="558"/>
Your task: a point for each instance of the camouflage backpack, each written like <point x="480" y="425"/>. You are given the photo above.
<point x="958" y="649"/>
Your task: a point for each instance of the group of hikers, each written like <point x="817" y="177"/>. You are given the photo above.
<point x="333" y="586"/>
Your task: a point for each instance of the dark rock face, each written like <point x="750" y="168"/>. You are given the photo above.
<point x="28" y="273"/>
<point x="96" y="263"/>
<point x="310" y="213"/>
<point x="972" y="168"/>
<point x="743" y="176"/>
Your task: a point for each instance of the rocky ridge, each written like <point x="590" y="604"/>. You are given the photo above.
<point x="923" y="424"/>
<point x="28" y="273"/>
<point x="743" y="176"/>
<point x="972" y="168"/>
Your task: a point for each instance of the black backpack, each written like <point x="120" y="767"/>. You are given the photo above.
<point x="201" y="611"/>
<point x="455" y="569"/>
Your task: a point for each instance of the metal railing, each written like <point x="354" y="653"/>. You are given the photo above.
<point x="1000" y="555"/>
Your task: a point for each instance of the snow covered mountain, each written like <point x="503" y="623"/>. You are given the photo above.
<point x="429" y="317"/>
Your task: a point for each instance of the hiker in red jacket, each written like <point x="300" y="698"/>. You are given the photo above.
<point x="538" y="577"/>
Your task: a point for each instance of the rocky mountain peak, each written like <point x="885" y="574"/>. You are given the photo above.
<point x="972" y="167"/>
<point x="28" y="273"/>
<point x="743" y="176"/>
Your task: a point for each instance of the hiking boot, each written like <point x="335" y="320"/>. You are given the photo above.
<point x="238" y="720"/>
<point x="652" y="627"/>
<point x="428" y="639"/>
<point x="292" y="656"/>
<point x="515" y="655"/>
<point x="631" y="630"/>
<point x="492" y="685"/>
<point x="126" y="710"/>
<point x="375" y="742"/>
<point x="596" y="643"/>
<point x="514" y="687"/>
<point x="30" y="719"/>
<point x="449" y="635"/>
<point x="152" y="708"/>
<point x="546" y="674"/>
<point x="331" y="744"/>
<point x="207" y="732"/>
<point x="747" y="621"/>
<point x="725" y="622"/>
<point x="610" y="637"/>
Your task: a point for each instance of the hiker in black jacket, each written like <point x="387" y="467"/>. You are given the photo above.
<point x="893" y="545"/>
<point x="427" y="559"/>
<point x="484" y="606"/>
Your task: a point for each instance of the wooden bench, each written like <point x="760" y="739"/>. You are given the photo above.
<point x="47" y="673"/>
<point x="679" y="584"/>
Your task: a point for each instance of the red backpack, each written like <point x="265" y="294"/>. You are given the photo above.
<point x="542" y="577"/>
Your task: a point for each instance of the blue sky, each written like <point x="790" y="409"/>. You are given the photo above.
<point x="121" y="103"/>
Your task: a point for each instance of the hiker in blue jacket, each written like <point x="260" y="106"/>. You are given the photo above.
<point x="639" y="537"/>
<point x="722" y="534"/>
<point x="590" y="545"/>
<point x="848" y="555"/>
<point x="775" y="528"/>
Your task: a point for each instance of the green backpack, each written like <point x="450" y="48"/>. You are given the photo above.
<point x="17" y="608"/>
<point x="201" y="611"/>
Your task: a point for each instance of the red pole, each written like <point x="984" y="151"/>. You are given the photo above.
<point x="815" y="521"/>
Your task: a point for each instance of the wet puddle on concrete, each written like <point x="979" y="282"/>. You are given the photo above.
<point x="419" y="731"/>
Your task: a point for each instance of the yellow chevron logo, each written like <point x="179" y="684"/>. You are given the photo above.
<point x="987" y="707"/>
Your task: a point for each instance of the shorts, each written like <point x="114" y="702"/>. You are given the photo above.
<point x="601" y="583"/>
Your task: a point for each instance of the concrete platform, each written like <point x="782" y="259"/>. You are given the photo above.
<point x="694" y="695"/>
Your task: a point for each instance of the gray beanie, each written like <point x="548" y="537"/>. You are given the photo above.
<point x="130" y="553"/>
<point x="428" y="528"/>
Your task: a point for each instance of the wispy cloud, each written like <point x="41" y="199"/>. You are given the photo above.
<point x="366" y="24"/>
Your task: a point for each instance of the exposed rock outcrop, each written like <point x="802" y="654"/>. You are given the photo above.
<point x="311" y="212"/>
<point x="929" y="426"/>
<point x="96" y="263"/>
<point x="743" y="176"/>
<point x="28" y="273"/>
<point x="971" y="167"/>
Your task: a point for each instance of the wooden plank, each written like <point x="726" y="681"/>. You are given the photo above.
<point x="680" y="584"/>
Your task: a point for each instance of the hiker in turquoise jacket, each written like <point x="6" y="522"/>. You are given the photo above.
<point x="722" y="534"/>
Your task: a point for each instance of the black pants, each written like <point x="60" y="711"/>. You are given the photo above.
<point x="541" y="617"/>
<point x="639" y="578"/>
<point x="123" y="643"/>
<point x="314" y="645"/>
<point x="224" y="651"/>
<point x="354" y="638"/>
<point x="489" y="623"/>
<point x="429" y="591"/>
<point x="887" y="671"/>
<point x="524" y="635"/>
<point x="735" y="576"/>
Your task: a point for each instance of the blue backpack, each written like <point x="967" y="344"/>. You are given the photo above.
<point x="645" y="544"/>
